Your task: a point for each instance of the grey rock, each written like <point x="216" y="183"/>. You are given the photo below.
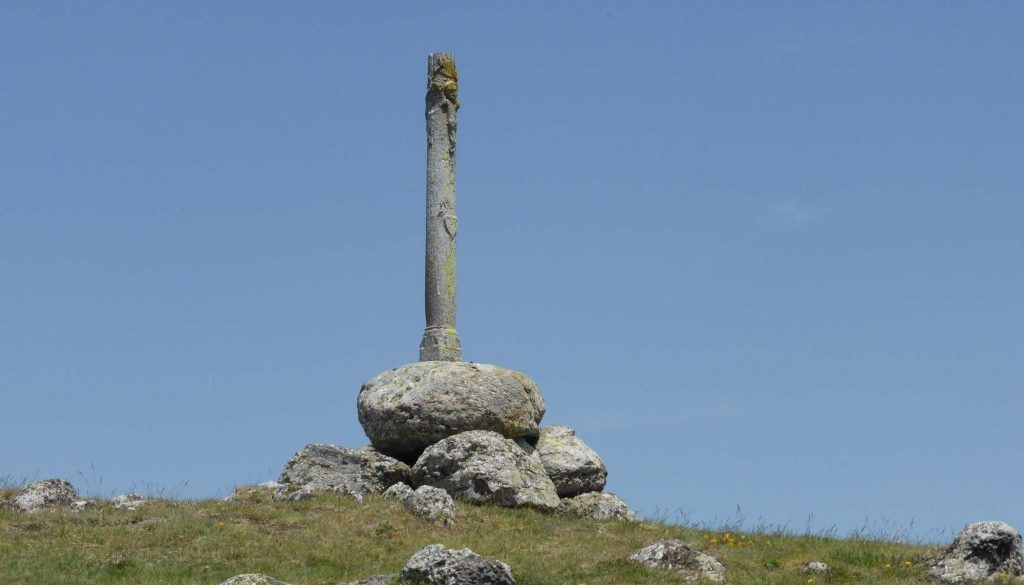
<point x="253" y="579"/>
<point x="376" y="580"/>
<point x="432" y="504"/>
<point x="983" y="550"/>
<point x="816" y="567"/>
<point x="429" y="503"/>
<point x="305" y="493"/>
<point x="49" y="493"/>
<point x="399" y="491"/>
<point x="321" y="468"/>
<point x="574" y="467"/>
<point x="405" y="410"/>
<point x="596" y="506"/>
<point x="483" y="467"/>
<point x="262" y="490"/>
<point x="437" y="565"/>
<point x="129" y="501"/>
<point x="82" y="505"/>
<point x="692" y="564"/>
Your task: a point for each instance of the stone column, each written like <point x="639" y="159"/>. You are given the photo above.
<point x="440" y="340"/>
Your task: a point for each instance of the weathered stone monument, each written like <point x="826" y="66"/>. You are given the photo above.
<point x="440" y="340"/>
<point x="472" y="430"/>
<point x="410" y="408"/>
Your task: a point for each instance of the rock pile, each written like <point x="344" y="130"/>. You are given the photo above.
<point x="470" y="429"/>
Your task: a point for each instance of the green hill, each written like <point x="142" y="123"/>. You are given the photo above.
<point x="329" y="540"/>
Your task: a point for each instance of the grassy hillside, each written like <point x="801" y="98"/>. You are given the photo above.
<point x="327" y="540"/>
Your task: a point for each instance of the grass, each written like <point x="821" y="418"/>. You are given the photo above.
<point x="331" y="539"/>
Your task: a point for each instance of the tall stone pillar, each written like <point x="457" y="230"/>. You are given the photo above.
<point x="440" y="340"/>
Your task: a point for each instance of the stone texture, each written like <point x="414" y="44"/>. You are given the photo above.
<point x="573" y="467"/>
<point x="429" y="503"/>
<point x="680" y="557"/>
<point x="432" y="504"/>
<point x="253" y="579"/>
<point x="261" y="491"/>
<point x="816" y="567"/>
<point x="596" y="506"/>
<point x="129" y="501"/>
<point x="399" y="491"/>
<point x="376" y="580"/>
<point x="437" y="565"/>
<point x="440" y="340"/>
<point x="49" y="493"/>
<point x="483" y="467"/>
<point x="321" y="468"/>
<point x="983" y="550"/>
<point x="82" y="505"/>
<point x="407" y="409"/>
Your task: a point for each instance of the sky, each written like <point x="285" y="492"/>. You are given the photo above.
<point x="765" y="258"/>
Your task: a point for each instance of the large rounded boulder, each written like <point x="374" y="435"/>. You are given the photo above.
<point x="483" y="467"/>
<point x="574" y="467"/>
<point x="407" y="409"/>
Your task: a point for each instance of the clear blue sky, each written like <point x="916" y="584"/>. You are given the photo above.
<point x="759" y="256"/>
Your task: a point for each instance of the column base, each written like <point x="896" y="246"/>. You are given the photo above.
<point x="440" y="344"/>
